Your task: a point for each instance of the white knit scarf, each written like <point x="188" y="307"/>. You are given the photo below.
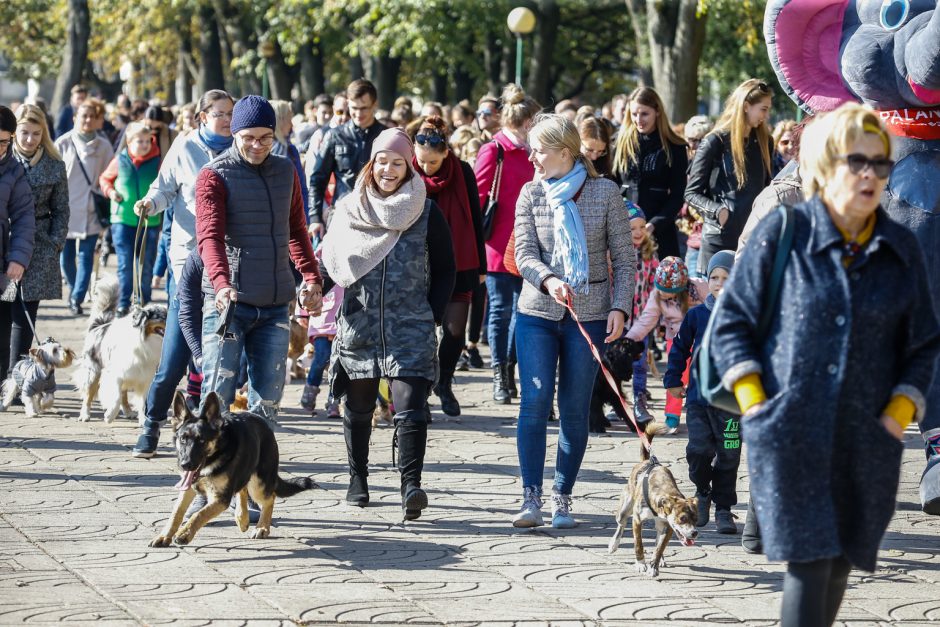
<point x="365" y="227"/>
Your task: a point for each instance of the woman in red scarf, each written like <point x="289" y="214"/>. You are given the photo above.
<point x="452" y="185"/>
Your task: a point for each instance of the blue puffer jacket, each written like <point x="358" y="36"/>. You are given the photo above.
<point x="17" y="215"/>
<point x="690" y="336"/>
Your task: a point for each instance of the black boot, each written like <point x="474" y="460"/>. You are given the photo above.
<point x="357" y="427"/>
<point x="750" y="537"/>
<point x="444" y="390"/>
<point x="511" y="380"/>
<point x="500" y="393"/>
<point x="411" y="431"/>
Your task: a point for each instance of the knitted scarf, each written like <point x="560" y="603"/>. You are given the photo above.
<point x="28" y="161"/>
<point x="216" y="143"/>
<point x="570" y="250"/>
<point x="449" y="190"/>
<point x="365" y="228"/>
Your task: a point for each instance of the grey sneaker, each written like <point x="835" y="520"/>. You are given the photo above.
<point x="724" y="522"/>
<point x="561" y="512"/>
<point x="198" y="503"/>
<point x="531" y="513"/>
<point x="308" y="400"/>
<point x="704" y="508"/>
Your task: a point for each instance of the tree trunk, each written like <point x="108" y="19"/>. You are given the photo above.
<point x="312" y="74"/>
<point x="75" y="54"/>
<point x="676" y="39"/>
<point x="492" y="61"/>
<point x="543" y="48"/>
<point x="211" y="75"/>
<point x="280" y="80"/>
<point x="439" y="87"/>
<point x="184" y="84"/>
<point x="463" y="80"/>
<point x="386" y="70"/>
<point x="357" y="68"/>
<point x="637" y="11"/>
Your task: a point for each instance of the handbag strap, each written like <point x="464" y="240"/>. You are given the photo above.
<point x="494" y="188"/>
<point x="784" y="246"/>
<point x="80" y="165"/>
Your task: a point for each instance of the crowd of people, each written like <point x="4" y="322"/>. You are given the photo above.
<point x="403" y="239"/>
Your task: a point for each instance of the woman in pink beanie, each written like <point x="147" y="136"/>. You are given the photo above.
<point x="390" y="248"/>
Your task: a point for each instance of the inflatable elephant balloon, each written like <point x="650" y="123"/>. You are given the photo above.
<point x="886" y="54"/>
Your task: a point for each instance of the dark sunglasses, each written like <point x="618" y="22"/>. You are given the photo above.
<point x="881" y="166"/>
<point x="485" y="113"/>
<point x="432" y="139"/>
<point x="762" y="86"/>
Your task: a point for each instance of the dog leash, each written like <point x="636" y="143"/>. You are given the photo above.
<point x="609" y="377"/>
<point x="29" y="320"/>
<point x="138" y="260"/>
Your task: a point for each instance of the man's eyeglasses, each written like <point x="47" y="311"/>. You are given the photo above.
<point x="218" y="115"/>
<point x="432" y="139"/>
<point x="341" y="112"/>
<point x="264" y="141"/>
<point x="5" y="143"/>
<point x="858" y="163"/>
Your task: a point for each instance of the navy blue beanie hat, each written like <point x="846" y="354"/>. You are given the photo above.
<point x="722" y="259"/>
<point x="253" y="112"/>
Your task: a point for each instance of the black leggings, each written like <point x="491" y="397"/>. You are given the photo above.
<point x="15" y="334"/>
<point x="452" y="343"/>
<point x="477" y="313"/>
<point x="812" y="592"/>
<point x="408" y="394"/>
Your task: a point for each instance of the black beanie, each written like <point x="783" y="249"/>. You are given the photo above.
<point x="7" y="120"/>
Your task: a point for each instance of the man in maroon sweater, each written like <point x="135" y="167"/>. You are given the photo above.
<point x="250" y="225"/>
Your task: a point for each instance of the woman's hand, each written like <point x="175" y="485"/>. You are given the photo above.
<point x="142" y="207"/>
<point x="15" y="271"/>
<point x="615" y="322"/>
<point x="311" y="298"/>
<point x="892" y="426"/>
<point x="559" y="290"/>
<point x="115" y="196"/>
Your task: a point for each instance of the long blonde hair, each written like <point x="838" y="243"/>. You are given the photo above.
<point x="282" y="113"/>
<point x="628" y="140"/>
<point x="32" y="114"/>
<point x="734" y="120"/>
<point x="555" y="131"/>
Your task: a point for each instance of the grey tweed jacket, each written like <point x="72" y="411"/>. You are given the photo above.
<point x="607" y="228"/>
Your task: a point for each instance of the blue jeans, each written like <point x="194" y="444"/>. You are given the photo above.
<point x="544" y="345"/>
<point x="322" y="347"/>
<point x="639" y="368"/>
<point x="78" y="277"/>
<point x="123" y="237"/>
<point x="691" y="262"/>
<point x="173" y="359"/>
<point x="502" y="291"/>
<point x="263" y="334"/>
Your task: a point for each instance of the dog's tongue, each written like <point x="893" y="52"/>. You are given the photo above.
<point x="186" y="479"/>
<point x="687" y="541"/>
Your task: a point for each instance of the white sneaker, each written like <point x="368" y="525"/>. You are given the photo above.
<point x="561" y="512"/>
<point x="531" y="513"/>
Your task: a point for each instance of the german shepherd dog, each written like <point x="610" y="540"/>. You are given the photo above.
<point x="652" y="494"/>
<point x="222" y="455"/>
<point x="618" y="359"/>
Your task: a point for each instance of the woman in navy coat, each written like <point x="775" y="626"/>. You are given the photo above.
<point x="845" y="366"/>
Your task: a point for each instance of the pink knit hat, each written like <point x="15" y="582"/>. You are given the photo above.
<point x="394" y="140"/>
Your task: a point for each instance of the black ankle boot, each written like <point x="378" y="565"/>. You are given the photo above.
<point x="449" y="403"/>
<point x="500" y="393"/>
<point x="511" y="380"/>
<point x="412" y="435"/>
<point x="357" y="428"/>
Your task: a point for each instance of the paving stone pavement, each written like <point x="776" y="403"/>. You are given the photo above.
<point x="77" y="513"/>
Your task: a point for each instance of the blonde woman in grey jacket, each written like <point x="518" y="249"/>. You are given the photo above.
<point x="569" y="221"/>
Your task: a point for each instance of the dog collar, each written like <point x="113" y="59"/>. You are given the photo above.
<point x="650" y="465"/>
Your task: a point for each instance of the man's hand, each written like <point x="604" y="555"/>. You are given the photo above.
<point x="15" y="271"/>
<point x="723" y="215"/>
<point x="558" y="289"/>
<point x="615" y="322"/>
<point x="116" y="196"/>
<point x="892" y="427"/>
<point x="311" y="298"/>
<point x="223" y="297"/>
<point x="142" y="207"/>
<point x="316" y="230"/>
<point x="678" y="392"/>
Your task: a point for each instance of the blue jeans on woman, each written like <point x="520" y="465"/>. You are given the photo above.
<point x="502" y="290"/>
<point x="263" y="335"/>
<point x="78" y="277"/>
<point x="544" y="346"/>
<point x="124" y="236"/>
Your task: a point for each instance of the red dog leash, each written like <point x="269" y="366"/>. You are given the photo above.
<point x="610" y="379"/>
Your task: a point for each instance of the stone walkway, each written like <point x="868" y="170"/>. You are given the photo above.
<point x="77" y="513"/>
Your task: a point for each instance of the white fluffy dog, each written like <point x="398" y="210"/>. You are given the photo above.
<point x="121" y="355"/>
<point x="33" y="377"/>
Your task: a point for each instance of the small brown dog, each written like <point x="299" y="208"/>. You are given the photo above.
<point x="652" y="494"/>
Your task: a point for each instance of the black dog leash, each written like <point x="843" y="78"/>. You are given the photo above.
<point x="29" y="320"/>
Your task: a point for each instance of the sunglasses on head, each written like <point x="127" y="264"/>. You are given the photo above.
<point x="432" y="139"/>
<point x="881" y="166"/>
<point x="762" y="86"/>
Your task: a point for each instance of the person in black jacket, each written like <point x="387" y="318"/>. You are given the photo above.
<point x="344" y="151"/>
<point x="451" y="183"/>
<point x="731" y="167"/>
<point x="650" y="162"/>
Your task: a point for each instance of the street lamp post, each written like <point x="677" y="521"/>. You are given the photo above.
<point x="266" y="50"/>
<point x="521" y="21"/>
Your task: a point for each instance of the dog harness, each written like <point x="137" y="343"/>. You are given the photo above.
<point x="647" y="470"/>
<point x="32" y="379"/>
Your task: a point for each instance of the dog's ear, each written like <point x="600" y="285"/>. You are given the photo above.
<point x="664" y="504"/>
<point x="180" y="410"/>
<point x="34" y="353"/>
<point x="212" y="410"/>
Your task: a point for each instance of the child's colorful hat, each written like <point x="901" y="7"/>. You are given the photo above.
<point x="634" y="210"/>
<point x="672" y="276"/>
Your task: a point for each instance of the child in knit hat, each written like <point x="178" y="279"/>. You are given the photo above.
<point x="646" y="263"/>
<point x="674" y="293"/>
<point x="714" y="448"/>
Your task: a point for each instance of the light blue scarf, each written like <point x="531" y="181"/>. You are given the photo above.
<point x="216" y="143"/>
<point x="570" y="249"/>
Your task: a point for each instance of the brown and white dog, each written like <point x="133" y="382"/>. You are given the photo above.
<point x="652" y="494"/>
